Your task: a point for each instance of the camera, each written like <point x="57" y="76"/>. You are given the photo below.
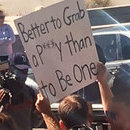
<point x="5" y="97"/>
<point x="12" y="89"/>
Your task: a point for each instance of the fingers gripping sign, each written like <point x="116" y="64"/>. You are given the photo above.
<point x="42" y="104"/>
<point x="101" y="70"/>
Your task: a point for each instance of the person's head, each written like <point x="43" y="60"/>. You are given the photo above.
<point x="120" y="111"/>
<point x="73" y="111"/>
<point x="2" y="17"/>
<point x="6" y="122"/>
<point x="19" y="65"/>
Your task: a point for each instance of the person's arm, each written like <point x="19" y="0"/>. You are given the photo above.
<point x="106" y="95"/>
<point x="43" y="106"/>
<point x="105" y="91"/>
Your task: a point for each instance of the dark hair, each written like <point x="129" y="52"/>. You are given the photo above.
<point x="7" y="122"/>
<point x="1" y="11"/>
<point x="73" y="111"/>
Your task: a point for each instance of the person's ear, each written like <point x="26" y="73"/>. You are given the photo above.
<point x="62" y="126"/>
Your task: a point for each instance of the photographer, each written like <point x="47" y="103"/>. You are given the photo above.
<point x="17" y="101"/>
<point x="22" y="104"/>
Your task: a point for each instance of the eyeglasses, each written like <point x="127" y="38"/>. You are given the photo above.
<point x="1" y="17"/>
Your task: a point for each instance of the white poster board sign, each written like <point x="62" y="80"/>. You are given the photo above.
<point x="60" y="47"/>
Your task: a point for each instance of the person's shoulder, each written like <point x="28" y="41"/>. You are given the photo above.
<point x="29" y="88"/>
<point x="32" y="84"/>
<point x="5" y="25"/>
<point x="30" y="91"/>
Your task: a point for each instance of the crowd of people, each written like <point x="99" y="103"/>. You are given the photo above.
<point x="22" y="109"/>
<point x="74" y="111"/>
<point x="17" y="93"/>
<point x="17" y="97"/>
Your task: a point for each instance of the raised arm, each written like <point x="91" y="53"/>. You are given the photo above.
<point x="105" y="91"/>
<point x="43" y="106"/>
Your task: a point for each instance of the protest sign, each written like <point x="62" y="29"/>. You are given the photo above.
<point x="60" y="47"/>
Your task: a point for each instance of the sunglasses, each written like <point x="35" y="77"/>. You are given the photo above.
<point x="1" y="17"/>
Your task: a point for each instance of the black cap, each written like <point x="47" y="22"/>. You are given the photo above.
<point x="19" y="60"/>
